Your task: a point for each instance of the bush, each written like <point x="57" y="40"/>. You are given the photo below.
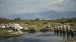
<point x="31" y="30"/>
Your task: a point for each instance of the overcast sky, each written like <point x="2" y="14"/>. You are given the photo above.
<point x="33" y="6"/>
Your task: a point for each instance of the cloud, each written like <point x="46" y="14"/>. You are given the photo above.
<point x="33" y="6"/>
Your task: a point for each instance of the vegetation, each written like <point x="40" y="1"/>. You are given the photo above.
<point x="44" y="30"/>
<point x="37" y="22"/>
<point x="66" y="20"/>
<point x="18" y="18"/>
<point x="31" y="30"/>
<point x="4" y="20"/>
<point x="37" y="19"/>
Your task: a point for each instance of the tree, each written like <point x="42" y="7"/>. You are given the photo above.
<point x="37" y="19"/>
<point x="18" y="18"/>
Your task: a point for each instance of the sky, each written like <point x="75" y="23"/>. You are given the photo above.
<point x="8" y="7"/>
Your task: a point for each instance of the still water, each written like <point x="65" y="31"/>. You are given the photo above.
<point x="38" y="37"/>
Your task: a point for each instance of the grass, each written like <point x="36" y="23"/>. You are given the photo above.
<point x="4" y="32"/>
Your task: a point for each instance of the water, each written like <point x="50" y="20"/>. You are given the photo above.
<point x="37" y="37"/>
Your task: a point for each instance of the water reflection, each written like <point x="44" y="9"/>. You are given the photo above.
<point x="39" y="37"/>
<point x="66" y="35"/>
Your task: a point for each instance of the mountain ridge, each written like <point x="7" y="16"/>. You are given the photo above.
<point x="44" y="15"/>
